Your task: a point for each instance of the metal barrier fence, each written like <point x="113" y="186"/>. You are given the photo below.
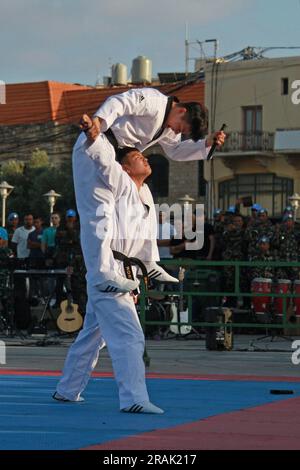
<point x="238" y="265"/>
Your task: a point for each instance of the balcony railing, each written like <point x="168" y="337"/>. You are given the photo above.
<point x="249" y="141"/>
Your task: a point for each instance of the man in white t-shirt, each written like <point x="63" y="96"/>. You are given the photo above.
<point x="20" y="237"/>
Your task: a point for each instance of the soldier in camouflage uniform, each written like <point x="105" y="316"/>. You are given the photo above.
<point x="69" y="255"/>
<point x="219" y="227"/>
<point x="254" y="214"/>
<point x="287" y="246"/>
<point x="264" y="252"/>
<point x="233" y="250"/>
<point x="256" y="230"/>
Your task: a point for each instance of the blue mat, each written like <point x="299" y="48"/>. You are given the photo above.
<point x="30" y="419"/>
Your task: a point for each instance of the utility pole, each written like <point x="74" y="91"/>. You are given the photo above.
<point x="186" y="49"/>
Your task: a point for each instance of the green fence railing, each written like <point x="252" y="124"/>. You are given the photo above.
<point x="191" y="265"/>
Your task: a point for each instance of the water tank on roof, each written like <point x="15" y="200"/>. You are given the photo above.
<point x="141" y="70"/>
<point x="119" y="74"/>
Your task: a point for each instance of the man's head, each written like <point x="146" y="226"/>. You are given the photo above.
<point x="264" y="244"/>
<point x="38" y="223"/>
<point x="263" y="215"/>
<point x="13" y="219"/>
<point x="134" y="163"/>
<point x="28" y="221"/>
<point x="255" y="209"/>
<point x="219" y="215"/>
<point x="55" y="219"/>
<point x="71" y="217"/>
<point x="288" y="221"/>
<point x="190" y="119"/>
<point x="238" y="221"/>
<point x="288" y="210"/>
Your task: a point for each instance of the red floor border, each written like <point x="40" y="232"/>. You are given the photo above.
<point x="273" y="426"/>
<point x="152" y="375"/>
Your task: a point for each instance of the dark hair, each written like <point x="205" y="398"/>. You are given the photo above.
<point x="197" y="117"/>
<point x="123" y="152"/>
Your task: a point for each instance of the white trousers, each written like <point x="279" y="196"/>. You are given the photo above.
<point x="111" y="318"/>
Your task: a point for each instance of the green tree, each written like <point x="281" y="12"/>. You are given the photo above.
<point x="36" y="178"/>
<point x="39" y="159"/>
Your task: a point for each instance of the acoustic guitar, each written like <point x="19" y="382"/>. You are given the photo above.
<point x="69" y="320"/>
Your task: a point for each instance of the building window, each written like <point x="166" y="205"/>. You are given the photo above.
<point x="252" y="127"/>
<point x="159" y="179"/>
<point x="269" y="190"/>
<point x="201" y="181"/>
<point x="284" y="86"/>
<point x="252" y="116"/>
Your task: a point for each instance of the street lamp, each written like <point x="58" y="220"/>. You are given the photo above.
<point x="51" y="196"/>
<point x="295" y="203"/>
<point x="186" y="201"/>
<point x="5" y="190"/>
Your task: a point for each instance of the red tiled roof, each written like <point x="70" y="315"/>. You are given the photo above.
<point x="40" y="102"/>
<point x="87" y="101"/>
<point x="37" y="102"/>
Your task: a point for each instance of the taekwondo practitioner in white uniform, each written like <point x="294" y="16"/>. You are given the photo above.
<point x="143" y="117"/>
<point x="99" y="183"/>
<point x="110" y="314"/>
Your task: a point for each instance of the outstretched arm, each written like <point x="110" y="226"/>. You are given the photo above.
<point x="97" y="148"/>
<point x="189" y="150"/>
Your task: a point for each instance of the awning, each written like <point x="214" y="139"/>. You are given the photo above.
<point x="287" y="141"/>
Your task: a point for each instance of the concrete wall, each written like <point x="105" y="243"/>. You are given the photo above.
<point x="18" y="142"/>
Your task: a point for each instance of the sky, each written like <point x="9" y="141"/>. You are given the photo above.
<point x="77" y="41"/>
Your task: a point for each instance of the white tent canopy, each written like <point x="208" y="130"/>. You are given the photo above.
<point x="287" y="140"/>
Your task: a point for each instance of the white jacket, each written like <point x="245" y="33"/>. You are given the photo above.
<point x="137" y="115"/>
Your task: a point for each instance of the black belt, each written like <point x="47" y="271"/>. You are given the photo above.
<point x="112" y="139"/>
<point x="127" y="263"/>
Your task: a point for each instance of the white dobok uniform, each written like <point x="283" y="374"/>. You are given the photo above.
<point x="112" y="315"/>
<point x="135" y="117"/>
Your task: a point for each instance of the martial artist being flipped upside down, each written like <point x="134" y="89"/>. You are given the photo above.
<point x="105" y="193"/>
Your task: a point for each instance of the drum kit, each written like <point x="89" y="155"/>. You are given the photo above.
<point x="16" y="298"/>
<point x="264" y="306"/>
<point x="169" y="308"/>
<point x="160" y="308"/>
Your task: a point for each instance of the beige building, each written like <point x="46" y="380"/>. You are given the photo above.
<point x="262" y="154"/>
